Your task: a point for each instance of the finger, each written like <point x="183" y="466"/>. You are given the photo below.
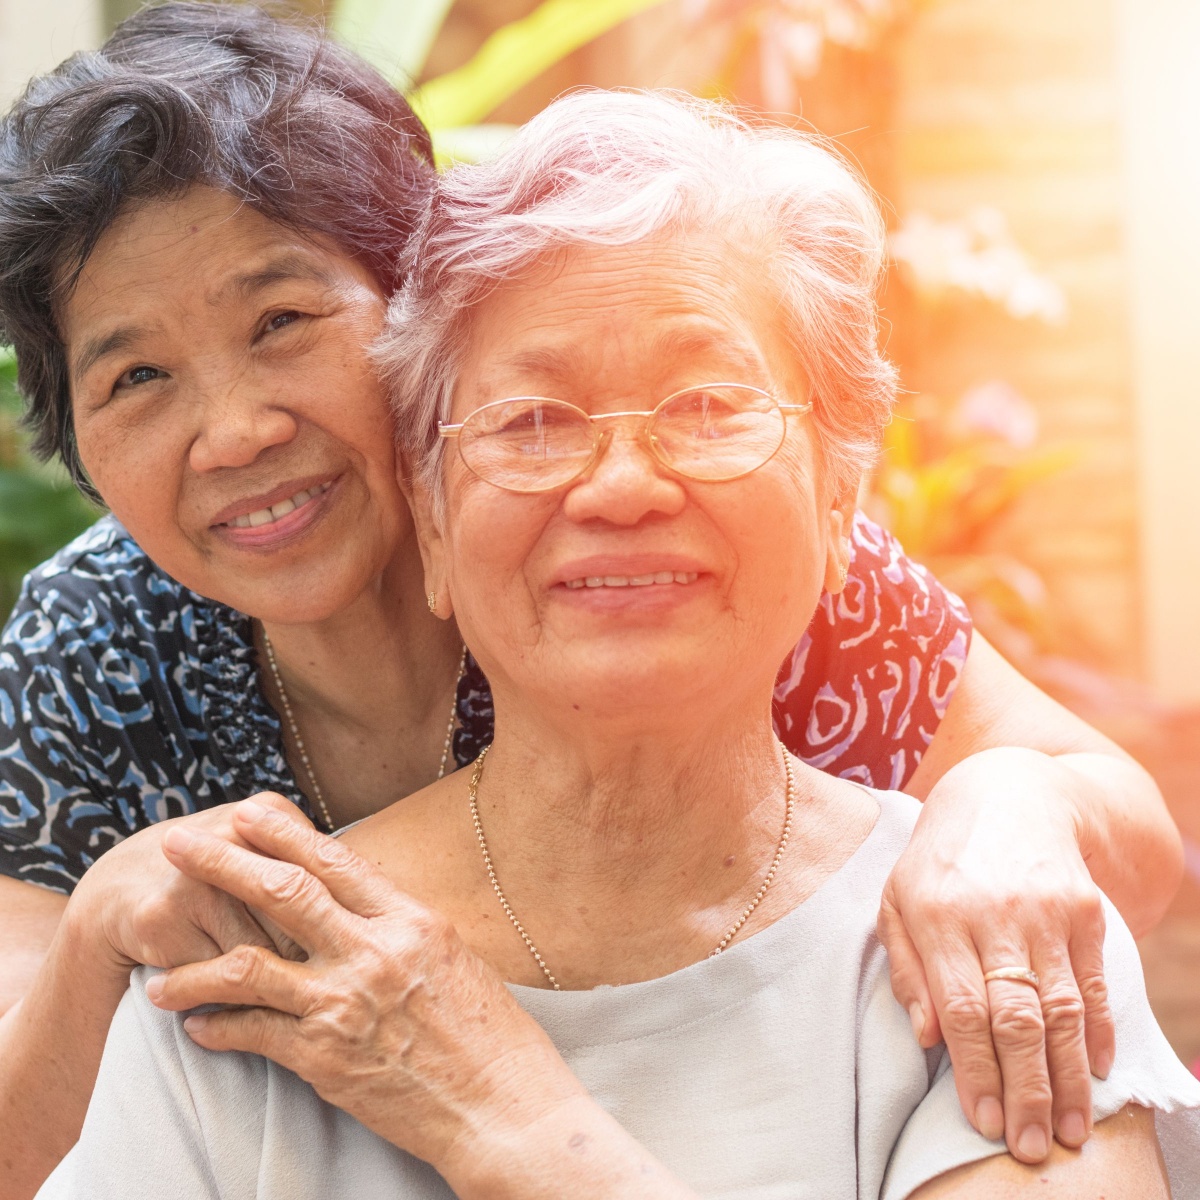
<point x="909" y="984"/>
<point x="1066" y="1048"/>
<point x="1019" y="1036"/>
<point x="294" y="899"/>
<point x="226" y="921"/>
<point x="1087" y="961"/>
<point x="281" y="804"/>
<point x="960" y="999"/>
<point x="248" y="976"/>
<point x="261" y="1031"/>
<point x="352" y="881"/>
<point x="284" y="945"/>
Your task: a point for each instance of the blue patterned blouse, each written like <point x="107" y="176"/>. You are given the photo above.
<point x="127" y="699"/>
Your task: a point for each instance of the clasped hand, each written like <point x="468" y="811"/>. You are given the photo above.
<point x="390" y="1017"/>
<point x="992" y="878"/>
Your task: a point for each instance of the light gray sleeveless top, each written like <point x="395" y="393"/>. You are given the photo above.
<point x="781" y="1069"/>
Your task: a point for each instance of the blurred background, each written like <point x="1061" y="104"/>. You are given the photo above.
<point x="1039" y="165"/>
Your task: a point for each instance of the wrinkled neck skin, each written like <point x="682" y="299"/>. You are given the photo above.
<point x="635" y="791"/>
<point x="379" y="664"/>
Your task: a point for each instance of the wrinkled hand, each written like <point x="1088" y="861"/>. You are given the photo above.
<point x="148" y="911"/>
<point x="390" y="1018"/>
<point x="993" y="877"/>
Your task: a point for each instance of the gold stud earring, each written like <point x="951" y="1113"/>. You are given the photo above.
<point x="843" y="571"/>
<point x="431" y="600"/>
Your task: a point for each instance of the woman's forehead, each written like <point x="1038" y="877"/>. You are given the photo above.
<point x="660" y="307"/>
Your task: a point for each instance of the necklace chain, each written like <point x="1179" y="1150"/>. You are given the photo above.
<point x="302" y="750"/>
<point x="768" y="879"/>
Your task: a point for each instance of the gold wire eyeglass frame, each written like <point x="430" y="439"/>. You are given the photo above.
<point x="601" y="437"/>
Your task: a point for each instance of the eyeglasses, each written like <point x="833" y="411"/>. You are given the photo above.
<point x="713" y="433"/>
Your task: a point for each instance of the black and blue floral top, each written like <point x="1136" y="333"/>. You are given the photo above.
<point x="127" y="699"/>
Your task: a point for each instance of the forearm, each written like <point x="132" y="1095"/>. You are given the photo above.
<point x="576" y="1150"/>
<point x="1129" y="842"/>
<point x="50" y="1049"/>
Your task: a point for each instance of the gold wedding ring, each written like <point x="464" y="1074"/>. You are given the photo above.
<point x="1021" y="974"/>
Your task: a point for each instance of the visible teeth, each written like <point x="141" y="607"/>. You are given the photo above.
<point x="264" y="516"/>
<point x="596" y="581"/>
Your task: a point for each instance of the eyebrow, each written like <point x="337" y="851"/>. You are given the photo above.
<point x="281" y="269"/>
<point x="290" y="265"/>
<point x="698" y="342"/>
<point x="97" y="348"/>
<point x="565" y="364"/>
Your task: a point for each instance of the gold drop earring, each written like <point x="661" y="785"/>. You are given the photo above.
<point x="431" y="600"/>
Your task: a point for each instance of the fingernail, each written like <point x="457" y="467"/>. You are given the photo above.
<point x="1072" y="1129"/>
<point x="916" y="1014"/>
<point x="195" y="1024"/>
<point x="989" y="1118"/>
<point x="1032" y="1142"/>
<point x="251" y="810"/>
<point x="154" y="988"/>
<point x="178" y="839"/>
<point x="1104" y="1062"/>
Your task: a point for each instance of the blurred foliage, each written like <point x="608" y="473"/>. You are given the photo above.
<point x="949" y="477"/>
<point x="40" y="510"/>
<point x="397" y="35"/>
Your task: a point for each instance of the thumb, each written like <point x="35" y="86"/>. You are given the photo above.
<point x="909" y="984"/>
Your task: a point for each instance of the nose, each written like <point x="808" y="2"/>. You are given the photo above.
<point x="235" y="424"/>
<point x="626" y="483"/>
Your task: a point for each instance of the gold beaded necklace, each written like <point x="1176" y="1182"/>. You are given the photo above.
<point x="473" y="795"/>
<point x="302" y="750"/>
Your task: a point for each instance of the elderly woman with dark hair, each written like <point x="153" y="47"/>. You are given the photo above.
<point x="200" y="226"/>
<point x="615" y="415"/>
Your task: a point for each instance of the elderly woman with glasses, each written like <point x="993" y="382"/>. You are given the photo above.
<point x="634" y="357"/>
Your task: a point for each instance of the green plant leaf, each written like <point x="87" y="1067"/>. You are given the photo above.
<point x="514" y="55"/>
<point x="394" y="37"/>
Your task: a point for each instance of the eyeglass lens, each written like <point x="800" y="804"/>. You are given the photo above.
<point x="712" y="434"/>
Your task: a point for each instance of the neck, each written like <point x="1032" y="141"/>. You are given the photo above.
<point x="633" y="808"/>
<point x="371" y="690"/>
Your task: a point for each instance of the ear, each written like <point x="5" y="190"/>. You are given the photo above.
<point x="433" y="548"/>
<point x="841" y="522"/>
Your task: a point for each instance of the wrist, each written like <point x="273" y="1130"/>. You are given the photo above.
<point x="84" y="934"/>
<point x="500" y="1152"/>
<point x="1023" y="775"/>
<point x="573" y="1148"/>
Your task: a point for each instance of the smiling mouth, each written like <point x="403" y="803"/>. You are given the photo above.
<point x="617" y="581"/>
<point x="264" y="516"/>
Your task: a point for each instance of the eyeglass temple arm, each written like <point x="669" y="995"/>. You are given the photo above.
<point x="449" y="431"/>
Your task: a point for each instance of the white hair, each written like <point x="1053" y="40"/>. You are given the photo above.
<point x="614" y="169"/>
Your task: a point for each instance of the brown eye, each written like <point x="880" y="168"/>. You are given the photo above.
<point x="138" y="375"/>
<point x="282" y="320"/>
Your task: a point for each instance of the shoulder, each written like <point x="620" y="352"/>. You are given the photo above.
<point x="937" y="1137"/>
<point x="163" y="1109"/>
<point x="102" y="573"/>
<point x="865" y="689"/>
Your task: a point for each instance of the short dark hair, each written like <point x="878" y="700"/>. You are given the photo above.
<point x="226" y="96"/>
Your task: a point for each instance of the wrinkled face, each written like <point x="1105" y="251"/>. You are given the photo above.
<point x="633" y="588"/>
<point x="226" y="410"/>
